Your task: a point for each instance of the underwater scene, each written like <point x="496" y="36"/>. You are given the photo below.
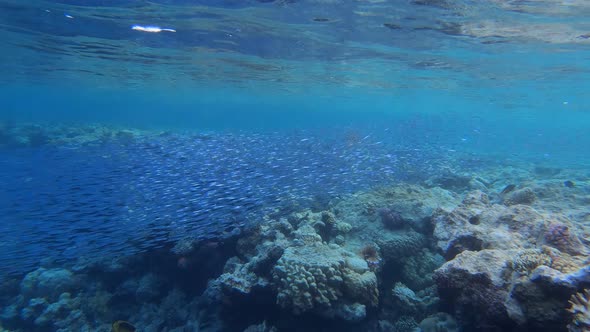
<point x="294" y="165"/>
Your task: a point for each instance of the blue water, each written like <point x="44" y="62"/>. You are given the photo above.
<point x="361" y="93"/>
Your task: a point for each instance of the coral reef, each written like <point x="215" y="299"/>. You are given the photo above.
<point x="454" y="253"/>
<point x="331" y="265"/>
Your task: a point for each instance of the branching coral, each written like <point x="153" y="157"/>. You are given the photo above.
<point x="581" y="310"/>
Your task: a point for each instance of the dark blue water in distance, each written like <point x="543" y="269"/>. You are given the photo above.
<point x="120" y="143"/>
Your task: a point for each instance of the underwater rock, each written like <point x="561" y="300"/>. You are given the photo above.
<point x="396" y="246"/>
<point x="126" y="136"/>
<point x="357" y="264"/>
<point x="450" y="180"/>
<point x="384" y="326"/>
<point x="176" y="312"/>
<point x="391" y="219"/>
<point x="326" y="226"/>
<point x="262" y="327"/>
<point x="49" y="283"/>
<point x="138" y="298"/>
<point x="405" y="323"/>
<point x="258" y="254"/>
<point x="339" y="240"/>
<point x="440" y="322"/>
<point x="474" y="282"/>
<point x="301" y="270"/>
<point x="184" y="246"/>
<point x="504" y="265"/>
<point x="148" y="288"/>
<point x="569" y="184"/>
<point x="342" y="228"/>
<point x="354" y="312"/>
<point x="559" y="235"/>
<point x="123" y="326"/>
<point x="241" y="279"/>
<point x="361" y="287"/>
<point x="547" y="171"/>
<point x="11" y="312"/>
<point x="418" y="270"/>
<point x="521" y="196"/>
<point x="406" y="297"/>
<point x="509" y="188"/>
<point x="34" y="308"/>
<point x="476" y="224"/>
<point x="56" y="311"/>
<point x="478" y="184"/>
<point x="414" y="203"/>
<point x="63" y="313"/>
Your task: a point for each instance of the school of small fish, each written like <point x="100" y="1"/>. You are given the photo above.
<point x="116" y="198"/>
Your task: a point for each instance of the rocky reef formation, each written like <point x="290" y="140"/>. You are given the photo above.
<point x="306" y="273"/>
<point x="506" y="249"/>
<point x="344" y="264"/>
<point x="510" y="267"/>
<point x="92" y="295"/>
